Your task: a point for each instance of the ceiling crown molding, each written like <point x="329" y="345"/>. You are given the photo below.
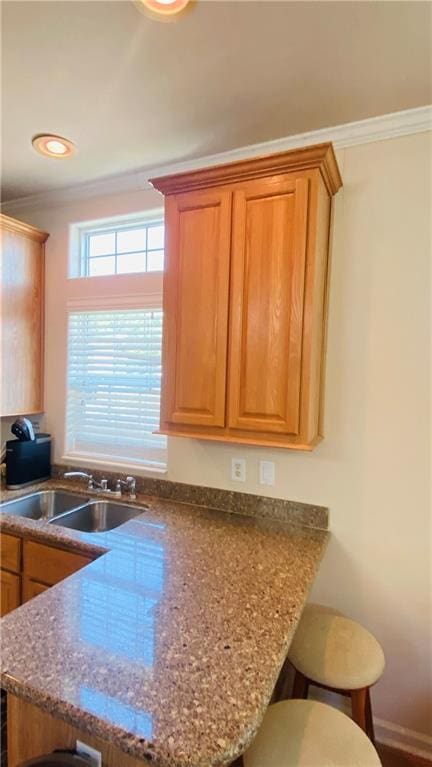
<point x="381" y="128"/>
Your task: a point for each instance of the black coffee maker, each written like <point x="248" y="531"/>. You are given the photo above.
<point x="28" y="458"/>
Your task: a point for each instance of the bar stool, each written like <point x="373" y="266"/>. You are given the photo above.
<point x="338" y="654"/>
<point x="304" y="733"/>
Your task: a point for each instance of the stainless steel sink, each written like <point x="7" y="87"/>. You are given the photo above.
<point x="98" y="516"/>
<point x="44" y="504"/>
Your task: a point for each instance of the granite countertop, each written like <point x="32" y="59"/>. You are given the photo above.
<point x="169" y="644"/>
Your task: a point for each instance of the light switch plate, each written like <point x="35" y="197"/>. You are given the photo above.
<point x="238" y="469"/>
<point x="267" y="472"/>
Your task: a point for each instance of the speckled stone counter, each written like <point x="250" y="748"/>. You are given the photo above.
<point x="169" y="644"/>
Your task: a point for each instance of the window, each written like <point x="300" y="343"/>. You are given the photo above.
<point x="122" y="248"/>
<point x="113" y="393"/>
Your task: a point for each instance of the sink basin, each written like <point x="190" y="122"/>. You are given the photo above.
<point x="98" y="516"/>
<point x="43" y="504"/>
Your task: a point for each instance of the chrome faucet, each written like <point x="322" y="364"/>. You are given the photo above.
<point x="129" y="484"/>
<point x="102" y="486"/>
<point x="92" y="483"/>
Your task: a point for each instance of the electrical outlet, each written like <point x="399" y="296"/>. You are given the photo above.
<point x="238" y="469"/>
<point x="94" y="757"/>
<point x="266" y="472"/>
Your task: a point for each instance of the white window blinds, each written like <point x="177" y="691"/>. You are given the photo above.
<point x="114" y="377"/>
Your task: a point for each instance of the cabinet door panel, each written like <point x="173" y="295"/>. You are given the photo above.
<point x="267" y="296"/>
<point x="49" y="565"/>
<point x="10" y="592"/>
<point x="21" y="271"/>
<point x="32" y="589"/>
<point x="10" y="552"/>
<point x="196" y="289"/>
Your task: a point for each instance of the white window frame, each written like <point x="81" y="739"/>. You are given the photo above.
<point x="144" y="296"/>
<point x="79" y="236"/>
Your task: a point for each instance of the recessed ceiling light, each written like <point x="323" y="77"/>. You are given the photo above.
<point x="53" y="146"/>
<point x="163" y="9"/>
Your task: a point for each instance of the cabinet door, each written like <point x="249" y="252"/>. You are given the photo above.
<point x="50" y="565"/>
<point x="10" y="552"/>
<point x="21" y="274"/>
<point x="10" y="591"/>
<point x="267" y="296"/>
<point x="196" y="288"/>
<point x="32" y="588"/>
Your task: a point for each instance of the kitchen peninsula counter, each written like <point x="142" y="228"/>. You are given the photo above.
<point x="169" y="644"/>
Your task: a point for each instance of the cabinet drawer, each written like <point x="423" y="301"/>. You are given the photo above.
<point x="32" y="589"/>
<point x="10" y="591"/>
<point x="49" y="565"/>
<point x="10" y="552"/>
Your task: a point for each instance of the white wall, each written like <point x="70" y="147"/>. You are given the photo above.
<point x="373" y="467"/>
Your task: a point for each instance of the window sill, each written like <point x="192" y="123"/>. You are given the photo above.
<point x="101" y="464"/>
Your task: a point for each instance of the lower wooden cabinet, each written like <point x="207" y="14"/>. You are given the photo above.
<point x="49" y="565"/>
<point x="32" y="589"/>
<point x="10" y="585"/>
<point x="10" y="553"/>
<point x="28" y="568"/>
<point x="10" y="578"/>
<point x="32" y="732"/>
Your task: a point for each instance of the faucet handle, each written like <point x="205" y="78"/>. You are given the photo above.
<point x="131" y="484"/>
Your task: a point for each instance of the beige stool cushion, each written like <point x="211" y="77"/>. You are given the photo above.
<point x="335" y="651"/>
<point x="314" y="607"/>
<point x="304" y="733"/>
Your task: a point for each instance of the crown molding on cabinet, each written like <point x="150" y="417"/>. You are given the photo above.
<point x="380" y="128"/>
<point x="316" y="156"/>
<point x="19" y="227"/>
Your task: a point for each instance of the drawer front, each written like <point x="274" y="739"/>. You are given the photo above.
<point x="10" y="552"/>
<point x="49" y="565"/>
<point x="32" y="589"/>
<point x="10" y="591"/>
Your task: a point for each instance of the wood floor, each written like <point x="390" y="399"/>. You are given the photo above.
<point x="391" y="758"/>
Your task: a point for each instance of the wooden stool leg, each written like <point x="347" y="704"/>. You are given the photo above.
<point x="300" y="686"/>
<point x="358" y="704"/>
<point x="280" y="691"/>
<point x="369" y="718"/>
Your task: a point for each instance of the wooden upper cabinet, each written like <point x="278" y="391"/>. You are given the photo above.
<point x="22" y="311"/>
<point x="245" y="298"/>
<point x="196" y="289"/>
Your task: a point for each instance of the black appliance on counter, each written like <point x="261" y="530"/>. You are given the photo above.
<point x="28" y="461"/>
<point x="23" y="429"/>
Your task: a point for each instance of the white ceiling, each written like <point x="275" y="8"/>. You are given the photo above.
<point x="135" y="93"/>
